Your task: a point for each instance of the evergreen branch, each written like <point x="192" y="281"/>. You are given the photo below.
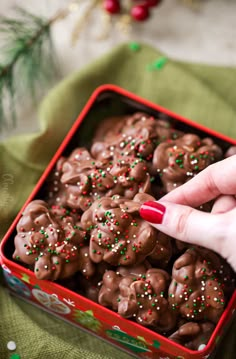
<point x="27" y="52"/>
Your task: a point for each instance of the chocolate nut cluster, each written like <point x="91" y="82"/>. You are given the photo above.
<point x="179" y="160"/>
<point x="140" y="297"/>
<point x="86" y="233"/>
<point x="52" y="242"/>
<point x="118" y="235"/>
<point x="137" y="135"/>
<point x="195" y="290"/>
<point x="85" y="179"/>
<point x="193" y="335"/>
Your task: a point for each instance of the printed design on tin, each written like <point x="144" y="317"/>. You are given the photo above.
<point x="69" y="302"/>
<point x="87" y="320"/>
<point x="15" y="284"/>
<point x="134" y="344"/>
<point x="156" y="344"/>
<point x="50" y="301"/>
<point x="25" y="278"/>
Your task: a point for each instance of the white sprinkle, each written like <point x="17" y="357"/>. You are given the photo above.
<point x="201" y="347"/>
<point x="11" y="345"/>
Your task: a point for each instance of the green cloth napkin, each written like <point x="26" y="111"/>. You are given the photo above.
<point x="202" y="93"/>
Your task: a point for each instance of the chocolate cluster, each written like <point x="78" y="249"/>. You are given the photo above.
<point x="86" y="232"/>
<point x="142" y="297"/>
<point x="84" y="179"/>
<point x="118" y="235"/>
<point x="177" y="161"/>
<point x="52" y="242"/>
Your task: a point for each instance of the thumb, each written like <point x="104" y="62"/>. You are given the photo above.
<point x="187" y="224"/>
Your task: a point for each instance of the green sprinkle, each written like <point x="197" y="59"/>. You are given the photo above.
<point x="160" y="63"/>
<point x="134" y="46"/>
<point x="15" y="356"/>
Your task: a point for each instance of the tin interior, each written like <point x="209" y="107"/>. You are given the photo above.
<point x="112" y="103"/>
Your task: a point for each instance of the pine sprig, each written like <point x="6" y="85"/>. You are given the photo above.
<point x="27" y="58"/>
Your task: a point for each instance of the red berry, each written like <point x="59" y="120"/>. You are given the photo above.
<point x="151" y="3"/>
<point x="139" y="13"/>
<point x="111" y="6"/>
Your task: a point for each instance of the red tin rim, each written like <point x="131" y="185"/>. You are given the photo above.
<point x="61" y="148"/>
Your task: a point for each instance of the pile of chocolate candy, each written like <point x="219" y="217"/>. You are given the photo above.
<point x="87" y="234"/>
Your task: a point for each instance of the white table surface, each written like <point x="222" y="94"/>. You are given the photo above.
<point x="205" y="36"/>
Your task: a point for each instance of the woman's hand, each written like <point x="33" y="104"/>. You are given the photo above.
<point x="175" y="213"/>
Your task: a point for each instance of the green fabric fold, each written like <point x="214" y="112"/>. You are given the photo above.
<point x="205" y="94"/>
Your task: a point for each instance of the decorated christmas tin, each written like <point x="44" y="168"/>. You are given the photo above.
<point x="30" y="282"/>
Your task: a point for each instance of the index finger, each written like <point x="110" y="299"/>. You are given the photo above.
<point x="219" y="178"/>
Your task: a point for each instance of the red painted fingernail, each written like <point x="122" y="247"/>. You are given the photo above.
<point x="152" y="212"/>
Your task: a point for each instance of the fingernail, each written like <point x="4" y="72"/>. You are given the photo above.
<point x="152" y="212"/>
